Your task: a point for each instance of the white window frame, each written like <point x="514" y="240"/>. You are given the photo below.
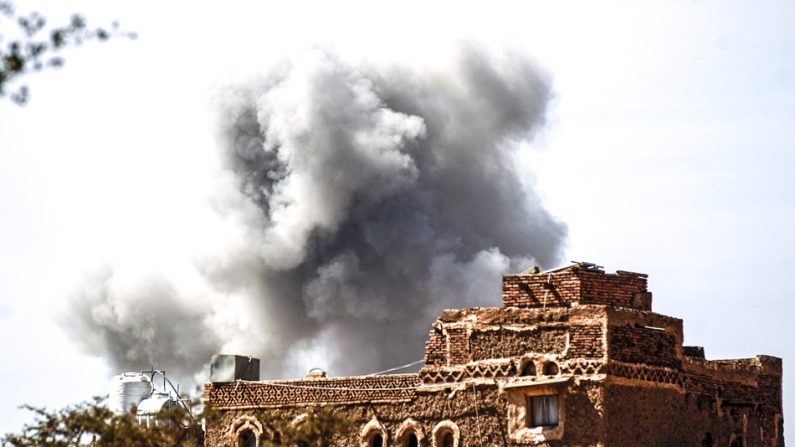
<point x="520" y="428"/>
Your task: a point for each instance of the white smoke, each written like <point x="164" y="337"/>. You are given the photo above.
<point x="364" y="201"/>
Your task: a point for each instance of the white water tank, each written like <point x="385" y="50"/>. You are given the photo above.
<point x="150" y="408"/>
<point x="128" y="390"/>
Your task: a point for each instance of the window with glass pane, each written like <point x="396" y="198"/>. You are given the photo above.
<point x="542" y="411"/>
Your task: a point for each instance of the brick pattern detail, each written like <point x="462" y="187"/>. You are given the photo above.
<point x="461" y="373"/>
<point x="579" y="367"/>
<point x="458" y="341"/>
<point x="556" y="289"/>
<point x="572" y="367"/>
<point x="562" y="288"/>
<point x="620" y="290"/>
<point x="436" y="348"/>
<point x="643" y="345"/>
<point x="646" y="374"/>
<point x="586" y="341"/>
<point x="343" y="390"/>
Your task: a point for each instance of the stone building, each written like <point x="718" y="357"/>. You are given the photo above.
<point x="575" y="357"/>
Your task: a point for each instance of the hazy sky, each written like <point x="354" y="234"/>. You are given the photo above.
<point x="668" y="150"/>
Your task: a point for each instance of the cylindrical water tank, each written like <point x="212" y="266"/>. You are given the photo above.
<point x="128" y="390"/>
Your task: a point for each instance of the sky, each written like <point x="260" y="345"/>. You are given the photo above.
<point x="667" y="150"/>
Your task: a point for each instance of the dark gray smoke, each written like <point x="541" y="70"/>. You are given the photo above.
<point x="366" y="201"/>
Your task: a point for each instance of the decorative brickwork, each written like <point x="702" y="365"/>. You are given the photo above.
<point x="581" y="367"/>
<point x="392" y="388"/>
<point x="462" y="373"/>
<point x="645" y="373"/>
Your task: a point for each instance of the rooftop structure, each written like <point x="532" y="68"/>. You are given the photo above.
<point x="575" y="357"/>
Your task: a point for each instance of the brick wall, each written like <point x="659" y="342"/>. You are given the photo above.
<point x="586" y="342"/>
<point x="458" y="341"/>
<point x="558" y="289"/>
<point x="436" y="348"/>
<point x="622" y="289"/>
<point x="634" y="344"/>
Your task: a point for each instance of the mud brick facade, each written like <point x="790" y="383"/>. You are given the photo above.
<point x="575" y="357"/>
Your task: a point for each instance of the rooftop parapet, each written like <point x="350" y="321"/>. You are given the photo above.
<point x="582" y="283"/>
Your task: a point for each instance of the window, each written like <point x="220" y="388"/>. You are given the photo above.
<point x="536" y="412"/>
<point x="410" y="440"/>
<point x="529" y="369"/>
<point x="409" y="434"/>
<point x="247" y="439"/>
<point x="245" y="431"/>
<point x="551" y="369"/>
<point x="542" y="411"/>
<point x="373" y="434"/>
<point x="446" y="434"/>
<point x="446" y="439"/>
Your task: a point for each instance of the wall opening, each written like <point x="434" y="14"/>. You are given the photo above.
<point x="247" y="438"/>
<point x="409" y="434"/>
<point x="411" y="440"/>
<point x="446" y="434"/>
<point x="543" y="411"/>
<point x="529" y="369"/>
<point x="446" y="439"/>
<point x="373" y="434"/>
<point x="551" y="369"/>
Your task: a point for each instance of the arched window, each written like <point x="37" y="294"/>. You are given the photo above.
<point x="409" y="434"/>
<point x="412" y="440"/>
<point x="373" y="434"/>
<point x="447" y="439"/>
<point x="376" y="440"/>
<point x="446" y="434"/>
<point x="247" y="438"/>
<point x="551" y="369"/>
<point x="529" y="369"/>
<point x="245" y="431"/>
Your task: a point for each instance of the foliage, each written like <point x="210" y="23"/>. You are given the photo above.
<point x="92" y="423"/>
<point x="317" y="427"/>
<point x="36" y="47"/>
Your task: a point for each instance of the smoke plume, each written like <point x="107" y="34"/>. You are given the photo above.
<point x="360" y="201"/>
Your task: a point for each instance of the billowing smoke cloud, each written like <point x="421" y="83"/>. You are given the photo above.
<point x="363" y="201"/>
